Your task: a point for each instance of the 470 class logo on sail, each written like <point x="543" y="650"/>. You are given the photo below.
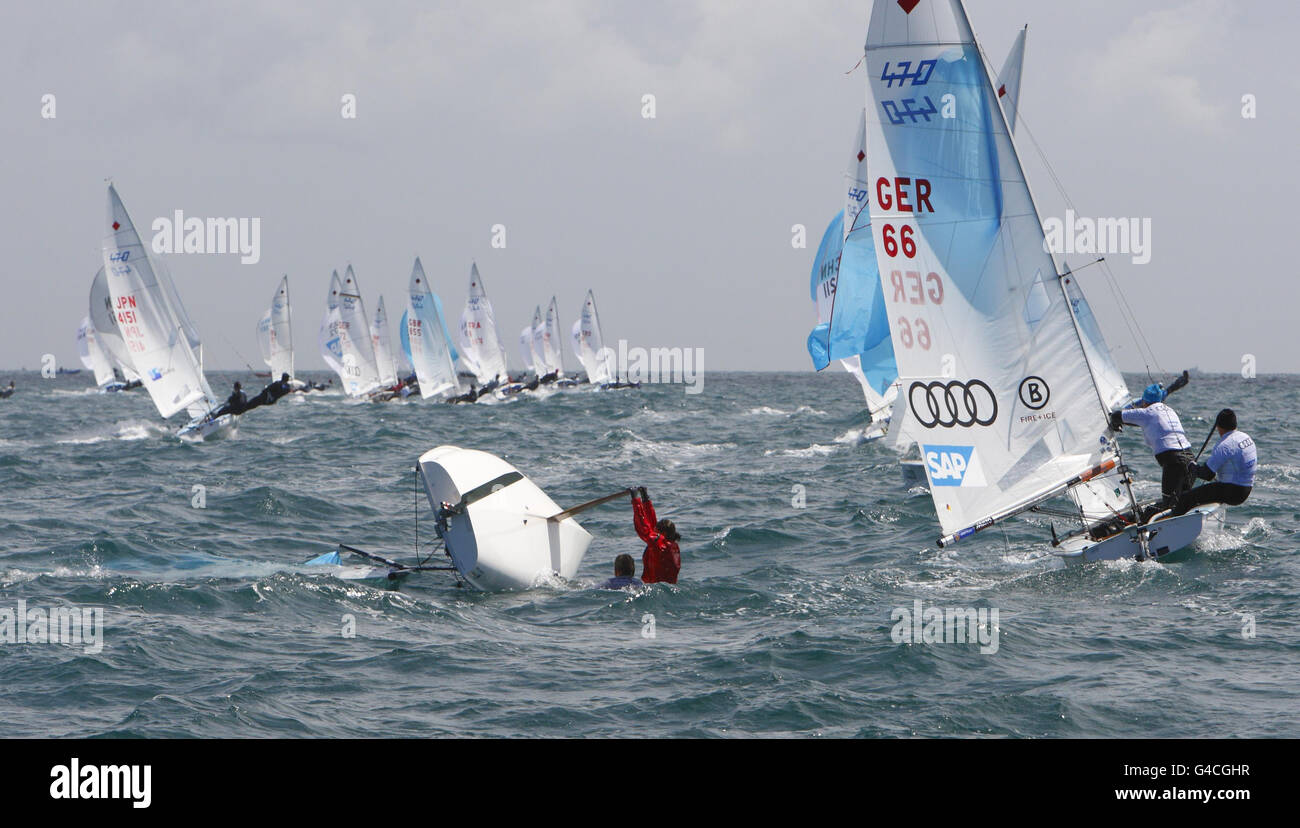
<point x="954" y="403"/>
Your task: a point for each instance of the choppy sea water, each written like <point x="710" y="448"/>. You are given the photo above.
<point x="780" y="624"/>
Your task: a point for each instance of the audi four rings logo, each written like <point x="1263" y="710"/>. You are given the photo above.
<point x="953" y="403"/>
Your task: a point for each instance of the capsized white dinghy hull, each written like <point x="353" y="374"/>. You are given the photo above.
<point x="1164" y="537"/>
<point x="498" y="533"/>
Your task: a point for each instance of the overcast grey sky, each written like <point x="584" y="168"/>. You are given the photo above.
<point x="528" y="114"/>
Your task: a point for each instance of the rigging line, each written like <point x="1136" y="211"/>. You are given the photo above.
<point x="1126" y="311"/>
<point x="856" y="65"/>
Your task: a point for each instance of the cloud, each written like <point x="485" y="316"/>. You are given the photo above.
<point x="1154" y="65"/>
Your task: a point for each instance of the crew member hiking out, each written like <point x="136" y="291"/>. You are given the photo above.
<point x="662" y="559"/>
<point x="235" y="403"/>
<point x="1163" y="432"/>
<point x="1231" y="466"/>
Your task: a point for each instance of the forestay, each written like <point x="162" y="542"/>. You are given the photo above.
<point x="995" y="381"/>
<point x="161" y="341"/>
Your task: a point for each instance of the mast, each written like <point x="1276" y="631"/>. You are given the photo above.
<point x="1060" y="277"/>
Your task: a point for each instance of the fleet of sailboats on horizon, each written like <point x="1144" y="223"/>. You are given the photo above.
<point x="1000" y="374"/>
<point x="138" y="333"/>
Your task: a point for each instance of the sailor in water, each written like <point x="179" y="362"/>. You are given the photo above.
<point x="624" y="574"/>
<point x="1163" y="432"/>
<point x="662" y="559"/>
<point x="7" y="392"/>
<point x="1231" y="466"/>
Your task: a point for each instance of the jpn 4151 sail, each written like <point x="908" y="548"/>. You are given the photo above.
<point x="162" y="342"/>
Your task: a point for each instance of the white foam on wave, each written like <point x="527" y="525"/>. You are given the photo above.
<point x="852" y="437"/>
<point x="767" y="410"/>
<point x="815" y="450"/>
<point x="124" y="430"/>
<point x="670" y="453"/>
<point x="22" y="576"/>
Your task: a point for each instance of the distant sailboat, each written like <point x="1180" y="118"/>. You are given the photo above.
<point x="427" y="343"/>
<point x="589" y="346"/>
<point x="480" y="345"/>
<point x="383" y="347"/>
<point x="107" y="334"/>
<point x="553" y="345"/>
<point x="345" y="337"/>
<point x="96" y="359"/>
<point x="1005" y="378"/>
<point x="163" y="344"/>
<point x="275" y="333"/>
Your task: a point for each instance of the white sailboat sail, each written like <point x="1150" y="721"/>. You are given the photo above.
<point x="526" y="349"/>
<point x="352" y="309"/>
<point x="480" y="344"/>
<point x="1008" y="83"/>
<point x="162" y="342"/>
<point x="575" y="339"/>
<point x="106" y="331"/>
<point x="596" y="359"/>
<point x="430" y="352"/>
<point x="995" y="379"/>
<point x="383" y="347"/>
<point x="93" y="355"/>
<point x="275" y="333"/>
<point x="537" y="344"/>
<point x="552" y="350"/>
<point x="342" y="338"/>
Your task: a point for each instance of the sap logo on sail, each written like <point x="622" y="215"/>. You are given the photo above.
<point x="215" y="235"/>
<point x="953" y="466"/>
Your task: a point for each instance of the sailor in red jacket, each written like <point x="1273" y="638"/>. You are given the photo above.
<point x="662" y="558"/>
